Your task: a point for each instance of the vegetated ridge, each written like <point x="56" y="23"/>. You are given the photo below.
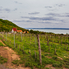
<point x="7" y="26"/>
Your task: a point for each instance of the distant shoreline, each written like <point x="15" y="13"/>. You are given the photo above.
<point x="51" y="28"/>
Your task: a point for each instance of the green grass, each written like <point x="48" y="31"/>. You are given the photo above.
<point x="1" y="44"/>
<point x="3" y="60"/>
<point x="28" y="47"/>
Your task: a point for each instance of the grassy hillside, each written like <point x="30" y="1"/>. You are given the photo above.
<point x="7" y="26"/>
<point x="54" y="50"/>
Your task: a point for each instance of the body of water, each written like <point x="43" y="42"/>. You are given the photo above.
<point x="56" y="31"/>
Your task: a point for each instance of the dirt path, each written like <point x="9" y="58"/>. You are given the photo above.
<point x="8" y="53"/>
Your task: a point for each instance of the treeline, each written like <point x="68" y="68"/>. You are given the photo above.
<point x="39" y="32"/>
<point x="7" y="26"/>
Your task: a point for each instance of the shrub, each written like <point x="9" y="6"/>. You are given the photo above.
<point x="47" y="68"/>
<point x="3" y="60"/>
<point x="54" y="57"/>
<point x="57" y="65"/>
<point x="16" y="62"/>
<point x="66" y="66"/>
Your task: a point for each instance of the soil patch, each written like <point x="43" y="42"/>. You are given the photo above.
<point x="11" y="55"/>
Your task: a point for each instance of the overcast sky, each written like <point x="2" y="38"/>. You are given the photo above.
<point x="36" y="13"/>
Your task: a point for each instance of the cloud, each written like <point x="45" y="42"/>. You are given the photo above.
<point x="54" y="7"/>
<point x="45" y="22"/>
<point x="8" y="10"/>
<point x="55" y="14"/>
<point x="24" y="17"/>
<point x="15" y="9"/>
<point x="4" y="9"/>
<point x="2" y="17"/>
<point x="48" y="6"/>
<point x="39" y="18"/>
<point x="60" y="5"/>
<point x="1" y="8"/>
<point x="22" y="21"/>
<point x="58" y="15"/>
<point x="67" y="14"/>
<point x="42" y="18"/>
<point x="17" y="2"/>
<point x="33" y="13"/>
<point x="48" y="20"/>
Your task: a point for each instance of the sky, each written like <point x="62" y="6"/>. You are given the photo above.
<point x="36" y="13"/>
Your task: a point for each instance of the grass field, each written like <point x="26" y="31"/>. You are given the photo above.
<point x="54" y="49"/>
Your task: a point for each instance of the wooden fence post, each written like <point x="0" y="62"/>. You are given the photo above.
<point x="14" y="39"/>
<point x="21" y="36"/>
<point x="6" y="36"/>
<point x="39" y="50"/>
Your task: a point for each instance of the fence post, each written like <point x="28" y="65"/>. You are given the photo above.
<point x="21" y="36"/>
<point x="39" y="50"/>
<point x="14" y="39"/>
<point x="6" y="36"/>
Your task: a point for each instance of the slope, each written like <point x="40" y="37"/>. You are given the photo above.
<point x="7" y="26"/>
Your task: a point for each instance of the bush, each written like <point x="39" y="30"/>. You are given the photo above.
<point x="1" y="44"/>
<point x="3" y="60"/>
<point x="66" y="66"/>
<point x="57" y="65"/>
<point x="16" y="62"/>
<point x="47" y="68"/>
<point x="54" y="57"/>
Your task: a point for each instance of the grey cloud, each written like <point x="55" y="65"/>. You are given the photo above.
<point x="48" y="6"/>
<point x="2" y="17"/>
<point x="1" y="9"/>
<point x="15" y="9"/>
<point x="17" y="2"/>
<point x="0" y="6"/>
<point x="60" y="5"/>
<point x="67" y="15"/>
<point x="58" y="15"/>
<point x="24" y="17"/>
<point x="45" y="22"/>
<point x="22" y="20"/>
<point x="8" y="10"/>
<point x="42" y="18"/>
<point x="39" y="18"/>
<point x="19" y="20"/>
<point x="55" y="14"/>
<point x="34" y="13"/>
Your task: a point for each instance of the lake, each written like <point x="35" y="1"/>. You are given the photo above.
<point x="56" y="31"/>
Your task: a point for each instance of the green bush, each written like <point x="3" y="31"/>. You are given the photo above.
<point x="16" y="62"/>
<point x="54" y="57"/>
<point x="66" y="66"/>
<point x="57" y="65"/>
<point x="3" y="60"/>
<point x="47" y="68"/>
<point x="1" y="44"/>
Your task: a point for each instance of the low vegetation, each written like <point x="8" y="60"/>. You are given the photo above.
<point x="3" y="60"/>
<point x="54" y="49"/>
<point x="6" y="26"/>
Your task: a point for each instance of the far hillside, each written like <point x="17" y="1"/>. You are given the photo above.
<point x="7" y="26"/>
